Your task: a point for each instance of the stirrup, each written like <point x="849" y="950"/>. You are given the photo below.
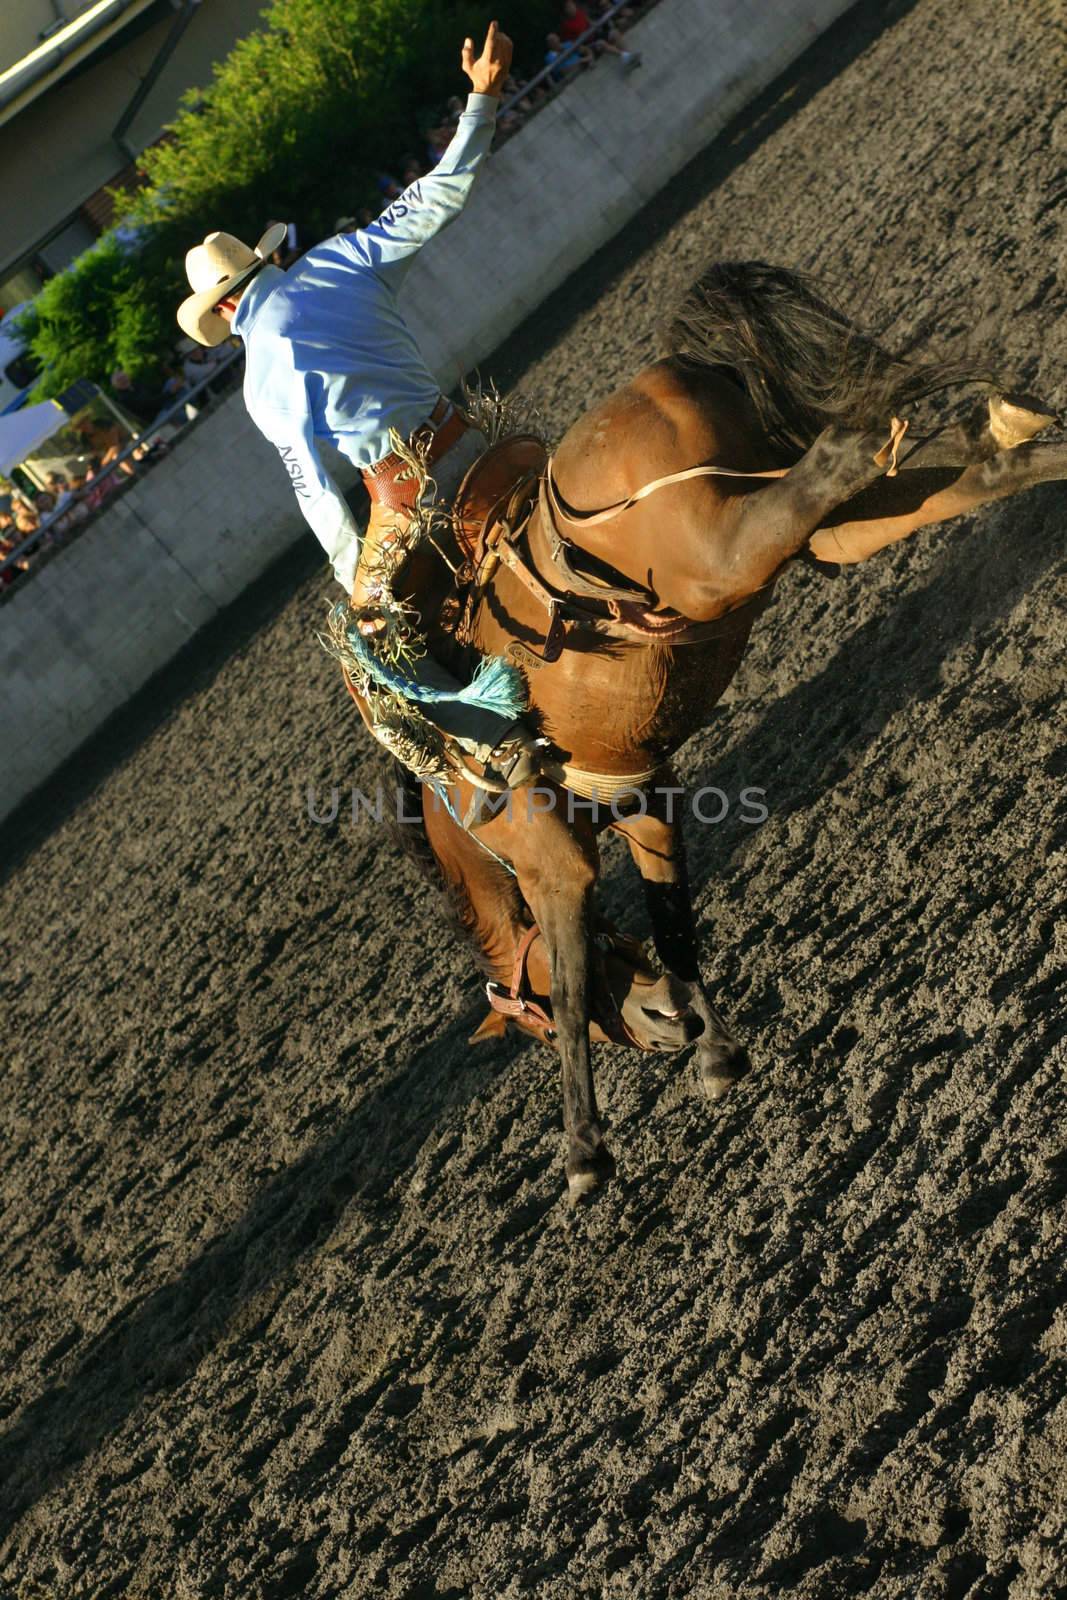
<point x="518" y="757"/>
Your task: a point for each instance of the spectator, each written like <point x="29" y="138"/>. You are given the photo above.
<point x="565" y="60"/>
<point x="576" y="21"/>
<point x="437" y="142"/>
<point x="621" y="18"/>
<point x="76" y="511"/>
<point x="143" y="401"/>
<point x="60" y="487"/>
<point x="26" y="518"/>
<point x="101" y="483"/>
<point x="8" y="543"/>
<point x="521" y="103"/>
<point x="289" y="249"/>
<point x="105" y="441"/>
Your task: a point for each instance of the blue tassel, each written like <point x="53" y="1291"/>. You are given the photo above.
<point x="497" y="686"/>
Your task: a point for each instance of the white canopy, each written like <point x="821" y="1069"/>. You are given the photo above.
<point x="22" y="431"/>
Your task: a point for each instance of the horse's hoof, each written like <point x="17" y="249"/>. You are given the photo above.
<point x="1012" y="421"/>
<point x="586" y="1173"/>
<point x="722" y="1069"/>
<point x="579" y="1184"/>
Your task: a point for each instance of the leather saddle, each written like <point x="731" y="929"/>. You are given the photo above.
<point x="501" y="481"/>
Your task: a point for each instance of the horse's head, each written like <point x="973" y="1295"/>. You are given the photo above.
<point x="633" y="1004"/>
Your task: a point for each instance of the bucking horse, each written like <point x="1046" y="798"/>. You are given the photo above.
<point x="623" y="576"/>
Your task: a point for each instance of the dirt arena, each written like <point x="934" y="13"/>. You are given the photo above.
<point x="292" y="1301"/>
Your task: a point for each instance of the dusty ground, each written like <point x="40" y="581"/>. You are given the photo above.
<point x="292" y="1305"/>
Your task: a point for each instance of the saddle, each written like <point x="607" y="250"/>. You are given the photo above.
<point x="499" y="486"/>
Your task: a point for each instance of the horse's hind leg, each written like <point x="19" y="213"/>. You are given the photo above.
<point x="557" y="868"/>
<point x="657" y="844"/>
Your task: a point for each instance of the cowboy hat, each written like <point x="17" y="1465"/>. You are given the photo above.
<point x="215" y="269"/>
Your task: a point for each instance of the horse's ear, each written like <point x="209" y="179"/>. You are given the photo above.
<point x="493" y="1026"/>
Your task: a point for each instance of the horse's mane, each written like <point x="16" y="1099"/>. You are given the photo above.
<point x="804" y="364"/>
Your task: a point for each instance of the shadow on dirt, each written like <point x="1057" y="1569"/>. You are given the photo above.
<point x="153" y="1346"/>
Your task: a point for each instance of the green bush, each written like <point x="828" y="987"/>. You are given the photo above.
<point x="296" y="123"/>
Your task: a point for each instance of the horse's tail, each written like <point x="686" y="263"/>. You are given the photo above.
<point x="803" y="363"/>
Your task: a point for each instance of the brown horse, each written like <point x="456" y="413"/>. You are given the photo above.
<point x="630" y="612"/>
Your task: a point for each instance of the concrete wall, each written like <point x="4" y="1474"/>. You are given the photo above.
<point x="92" y="626"/>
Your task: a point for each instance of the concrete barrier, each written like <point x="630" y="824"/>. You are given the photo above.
<point x="105" y="614"/>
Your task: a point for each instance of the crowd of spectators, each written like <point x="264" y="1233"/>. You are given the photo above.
<point x="100" y="460"/>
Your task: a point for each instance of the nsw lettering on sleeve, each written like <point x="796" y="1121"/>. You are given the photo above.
<point x="295" y="470"/>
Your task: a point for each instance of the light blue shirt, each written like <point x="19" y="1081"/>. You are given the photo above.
<point x="328" y="354"/>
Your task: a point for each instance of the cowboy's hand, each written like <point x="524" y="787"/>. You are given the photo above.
<point x="370" y="620"/>
<point x="489" y="73"/>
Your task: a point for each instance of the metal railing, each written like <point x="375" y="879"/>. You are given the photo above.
<point x="28" y="544"/>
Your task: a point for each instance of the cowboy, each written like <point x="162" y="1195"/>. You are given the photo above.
<point x="330" y="357"/>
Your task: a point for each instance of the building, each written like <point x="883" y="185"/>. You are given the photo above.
<point x="85" y="86"/>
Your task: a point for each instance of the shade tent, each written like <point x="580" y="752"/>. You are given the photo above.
<point x="22" y="431"/>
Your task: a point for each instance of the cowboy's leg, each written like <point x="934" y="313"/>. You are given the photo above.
<point x="499" y="740"/>
<point x="657" y="845"/>
<point x="377" y="552"/>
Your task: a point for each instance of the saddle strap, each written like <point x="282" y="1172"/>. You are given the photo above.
<point x="628" y="618"/>
<point x="512" y="1004"/>
<point x="579" y="583"/>
<point x="589" y="518"/>
<point x="610" y="1017"/>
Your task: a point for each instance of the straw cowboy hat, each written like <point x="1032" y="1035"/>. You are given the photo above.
<point x="215" y="269"/>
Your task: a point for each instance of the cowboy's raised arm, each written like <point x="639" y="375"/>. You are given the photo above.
<point x="431" y="202"/>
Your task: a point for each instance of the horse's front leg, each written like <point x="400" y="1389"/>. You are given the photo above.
<point x="930" y="489"/>
<point x="657" y="844"/>
<point x="753" y="534"/>
<point x="557" y="867"/>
